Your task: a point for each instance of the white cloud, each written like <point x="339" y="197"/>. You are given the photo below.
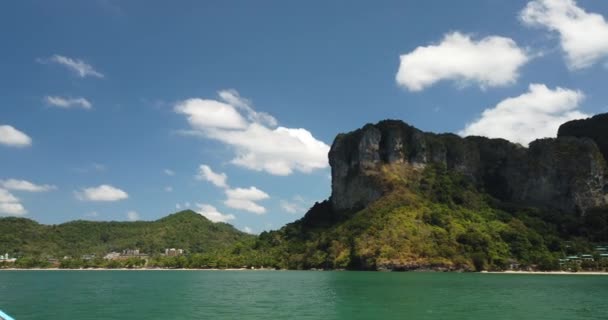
<point x="258" y="144"/>
<point x="532" y="115"/>
<point x="245" y="199"/>
<point x="178" y="206"/>
<point x="132" y="216"/>
<point x="10" y="205"/>
<point x="12" y="208"/>
<point x="168" y="189"/>
<point x="206" y="173"/>
<point x="101" y="193"/>
<point x="169" y="172"/>
<point x="583" y="35"/>
<point x="247" y="229"/>
<point x="13" y="138"/>
<point x="292" y="207"/>
<point x="81" y="68"/>
<point x="211" y="213"/>
<point x="233" y="98"/>
<point x="23" y="185"/>
<point x="68" y="103"/>
<point x="210" y="114"/>
<point x="296" y="205"/>
<point x="6" y="196"/>
<point x="488" y="62"/>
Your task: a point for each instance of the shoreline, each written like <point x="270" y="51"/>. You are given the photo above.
<point x="583" y="273"/>
<point x="133" y="269"/>
<point x="587" y="273"/>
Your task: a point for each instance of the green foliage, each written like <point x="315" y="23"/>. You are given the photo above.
<point x="434" y="218"/>
<point x="187" y="230"/>
<point x="429" y="219"/>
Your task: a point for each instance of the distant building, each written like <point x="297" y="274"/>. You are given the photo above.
<point x="125" y="254"/>
<point x="5" y="258"/>
<point x="112" y="256"/>
<point x="88" y="257"/>
<point x="172" y="252"/>
<point x="131" y="252"/>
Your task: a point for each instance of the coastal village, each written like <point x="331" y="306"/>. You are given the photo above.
<point x="129" y="258"/>
<point x="588" y="261"/>
<point x="597" y="260"/>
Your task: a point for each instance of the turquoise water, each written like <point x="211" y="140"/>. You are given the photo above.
<point x="84" y="295"/>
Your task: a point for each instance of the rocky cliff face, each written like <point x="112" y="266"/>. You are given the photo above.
<point x="568" y="173"/>
<point x="595" y="128"/>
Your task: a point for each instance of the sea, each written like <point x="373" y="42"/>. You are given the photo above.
<point x="196" y="294"/>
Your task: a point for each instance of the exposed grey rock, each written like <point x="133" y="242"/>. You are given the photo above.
<point x="595" y="128"/>
<point x="566" y="173"/>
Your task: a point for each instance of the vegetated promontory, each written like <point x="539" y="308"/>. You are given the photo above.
<point x="402" y="199"/>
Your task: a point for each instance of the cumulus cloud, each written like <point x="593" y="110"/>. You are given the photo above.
<point x="290" y="207"/>
<point x="6" y="196"/>
<point x="132" y="216"/>
<point x="68" y="103"/>
<point x="12" y="137"/>
<point x="211" y="213"/>
<point x="245" y="199"/>
<point x="23" y="185"/>
<point x="247" y="229"/>
<point x="296" y="205"/>
<point x="81" y="68"/>
<point x="12" y="208"/>
<point x="535" y="114"/>
<point x="204" y="113"/>
<point x="168" y="189"/>
<point x="258" y="144"/>
<point x="169" y="172"/>
<point x="233" y="98"/>
<point x="103" y="192"/>
<point x="10" y="205"/>
<point x="488" y="62"/>
<point x="583" y="35"/>
<point x="206" y="173"/>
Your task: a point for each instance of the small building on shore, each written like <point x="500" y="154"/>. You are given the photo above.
<point x="112" y="256"/>
<point x="5" y="258"/>
<point x="173" y="252"/>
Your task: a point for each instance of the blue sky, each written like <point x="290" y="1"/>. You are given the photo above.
<point x="119" y="110"/>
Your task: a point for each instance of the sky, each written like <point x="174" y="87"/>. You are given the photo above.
<point x="132" y="110"/>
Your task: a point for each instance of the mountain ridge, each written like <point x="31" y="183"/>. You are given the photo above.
<point x="402" y="199"/>
<point x="185" y="229"/>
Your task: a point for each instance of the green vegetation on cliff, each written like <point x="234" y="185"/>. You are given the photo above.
<point x="402" y="199"/>
<point x="431" y="219"/>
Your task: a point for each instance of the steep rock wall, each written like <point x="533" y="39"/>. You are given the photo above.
<point x="567" y="173"/>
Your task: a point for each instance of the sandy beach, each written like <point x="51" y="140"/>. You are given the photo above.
<point x="593" y="273"/>
<point x="587" y="273"/>
<point x="134" y="269"/>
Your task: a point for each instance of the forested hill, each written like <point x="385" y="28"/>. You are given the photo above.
<point x="407" y="199"/>
<point x="187" y="230"/>
<point x="401" y="199"/>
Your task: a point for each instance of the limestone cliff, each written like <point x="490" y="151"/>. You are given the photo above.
<point x="595" y="128"/>
<point x="567" y="173"/>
